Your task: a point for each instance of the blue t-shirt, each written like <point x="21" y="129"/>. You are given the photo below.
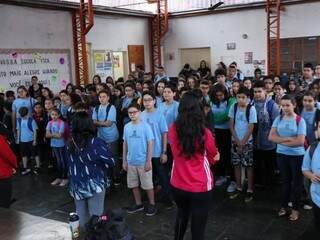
<point x="170" y="112"/>
<point x="56" y="127"/>
<point x="137" y="137"/>
<point x="288" y="128"/>
<point x="26" y="135"/>
<point x="241" y="125"/>
<point x="220" y="109"/>
<point x="313" y="166"/>
<point x="23" y="102"/>
<point x="108" y="134"/>
<point x="309" y="116"/>
<point x="158" y="125"/>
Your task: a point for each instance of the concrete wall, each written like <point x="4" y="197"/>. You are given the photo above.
<point x="216" y="30"/>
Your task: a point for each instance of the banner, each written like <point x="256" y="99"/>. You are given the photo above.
<point x="51" y="66"/>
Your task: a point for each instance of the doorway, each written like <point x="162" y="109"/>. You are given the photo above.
<point x="194" y="56"/>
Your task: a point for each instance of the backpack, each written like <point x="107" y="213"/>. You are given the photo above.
<point x="306" y="142"/>
<point x="313" y="147"/>
<point x="235" y="109"/>
<point x="66" y="132"/>
<point x="107" y="111"/>
<point x="29" y="123"/>
<point x="110" y="226"/>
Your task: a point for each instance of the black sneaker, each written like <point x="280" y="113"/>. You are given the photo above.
<point x="169" y="204"/>
<point x="235" y="194"/>
<point x="117" y="182"/>
<point x="249" y="197"/>
<point x="25" y="171"/>
<point x="135" y="208"/>
<point x="151" y="210"/>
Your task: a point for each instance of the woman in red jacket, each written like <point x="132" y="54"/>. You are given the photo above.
<point x="8" y="164"/>
<point x="194" y="150"/>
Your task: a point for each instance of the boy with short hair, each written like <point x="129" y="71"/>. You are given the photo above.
<point x="27" y="138"/>
<point x="310" y="169"/>
<point x="264" y="150"/>
<point x="242" y="116"/>
<point x="221" y="76"/>
<point x="205" y="88"/>
<point x="137" y="154"/>
<point x="307" y="78"/>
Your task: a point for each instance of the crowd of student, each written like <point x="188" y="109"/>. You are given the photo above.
<point x="160" y="131"/>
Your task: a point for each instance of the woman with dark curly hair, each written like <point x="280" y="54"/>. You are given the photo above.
<point x="194" y="150"/>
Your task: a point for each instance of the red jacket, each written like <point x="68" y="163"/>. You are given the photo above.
<point x="194" y="174"/>
<point x="8" y="160"/>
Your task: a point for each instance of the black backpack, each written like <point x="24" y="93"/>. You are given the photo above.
<point x="235" y="109"/>
<point x="110" y="226"/>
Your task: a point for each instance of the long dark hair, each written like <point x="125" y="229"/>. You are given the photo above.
<point x="190" y="125"/>
<point x="82" y="131"/>
<point x="218" y="88"/>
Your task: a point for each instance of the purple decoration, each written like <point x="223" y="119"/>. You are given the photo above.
<point x="61" y="60"/>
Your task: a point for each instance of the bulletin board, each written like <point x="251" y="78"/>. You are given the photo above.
<point x="51" y="66"/>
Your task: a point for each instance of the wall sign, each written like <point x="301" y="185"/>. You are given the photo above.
<point x="231" y="46"/>
<point x="51" y="66"/>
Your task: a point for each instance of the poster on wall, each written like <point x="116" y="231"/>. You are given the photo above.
<point x="103" y="63"/>
<point x="51" y="66"/>
<point x="248" y="57"/>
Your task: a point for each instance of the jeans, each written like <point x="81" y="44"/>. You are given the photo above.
<point x="291" y="179"/>
<point x="160" y="171"/>
<point x="88" y="207"/>
<point x="196" y="205"/>
<point x="60" y="154"/>
<point x="5" y="192"/>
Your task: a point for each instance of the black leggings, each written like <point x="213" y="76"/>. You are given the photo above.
<point x="316" y="211"/>
<point x="194" y="204"/>
<point x="5" y="192"/>
<point x="223" y="141"/>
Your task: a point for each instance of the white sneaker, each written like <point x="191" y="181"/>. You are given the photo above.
<point x="232" y="187"/>
<point x="290" y="204"/>
<point x="26" y="171"/>
<point x="220" y="181"/>
<point x="307" y="207"/>
<point x="64" y="182"/>
<point x="56" y="182"/>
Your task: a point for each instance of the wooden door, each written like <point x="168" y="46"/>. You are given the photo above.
<point x="136" y="56"/>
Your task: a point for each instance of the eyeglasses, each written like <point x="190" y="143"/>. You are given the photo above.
<point x="148" y="100"/>
<point x="133" y="112"/>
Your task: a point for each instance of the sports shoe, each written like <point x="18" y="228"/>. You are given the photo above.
<point x="232" y="187"/>
<point x="56" y="182"/>
<point x="36" y="170"/>
<point x="307" y="206"/>
<point x="249" y="197"/>
<point x="169" y="204"/>
<point x="235" y="194"/>
<point x="64" y="182"/>
<point x="151" y="210"/>
<point x="117" y="182"/>
<point x="25" y="171"/>
<point x="50" y="166"/>
<point x="290" y="204"/>
<point x="220" y="181"/>
<point x="135" y="208"/>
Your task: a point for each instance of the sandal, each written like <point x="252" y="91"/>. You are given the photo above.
<point x="282" y="212"/>
<point x="294" y="216"/>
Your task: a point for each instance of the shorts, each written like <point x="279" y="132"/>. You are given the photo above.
<point x="27" y="149"/>
<point x="245" y="158"/>
<point x="137" y="176"/>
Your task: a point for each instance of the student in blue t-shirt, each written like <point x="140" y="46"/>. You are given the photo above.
<point x="288" y="132"/>
<point x="311" y="170"/>
<point x="27" y="138"/>
<point x="159" y="128"/>
<point x="242" y="116"/>
<point x="104" y="117"/>
<point x="137" y="159"/>
<point x="23" y="100"/>
<point x="55" y="131"/>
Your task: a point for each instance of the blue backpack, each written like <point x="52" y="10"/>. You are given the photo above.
<point x="29" y="123"/>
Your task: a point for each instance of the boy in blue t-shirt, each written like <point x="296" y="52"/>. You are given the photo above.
<point x="27" y="138"/>
<point x="311" y="170"/>
<point x="137" y="154"/>
<point x="159" y="128"/>
<point x="104" y="117"/>
<point x="55" y="131"/>
<point x="242" y="116"/>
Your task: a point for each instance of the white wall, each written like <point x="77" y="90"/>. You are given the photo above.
<point x="27" y="28"/>
<point x="216" y="30"/>
<point x="117" y="32"/>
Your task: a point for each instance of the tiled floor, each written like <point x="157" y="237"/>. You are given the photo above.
<point x="228" y="219"/>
